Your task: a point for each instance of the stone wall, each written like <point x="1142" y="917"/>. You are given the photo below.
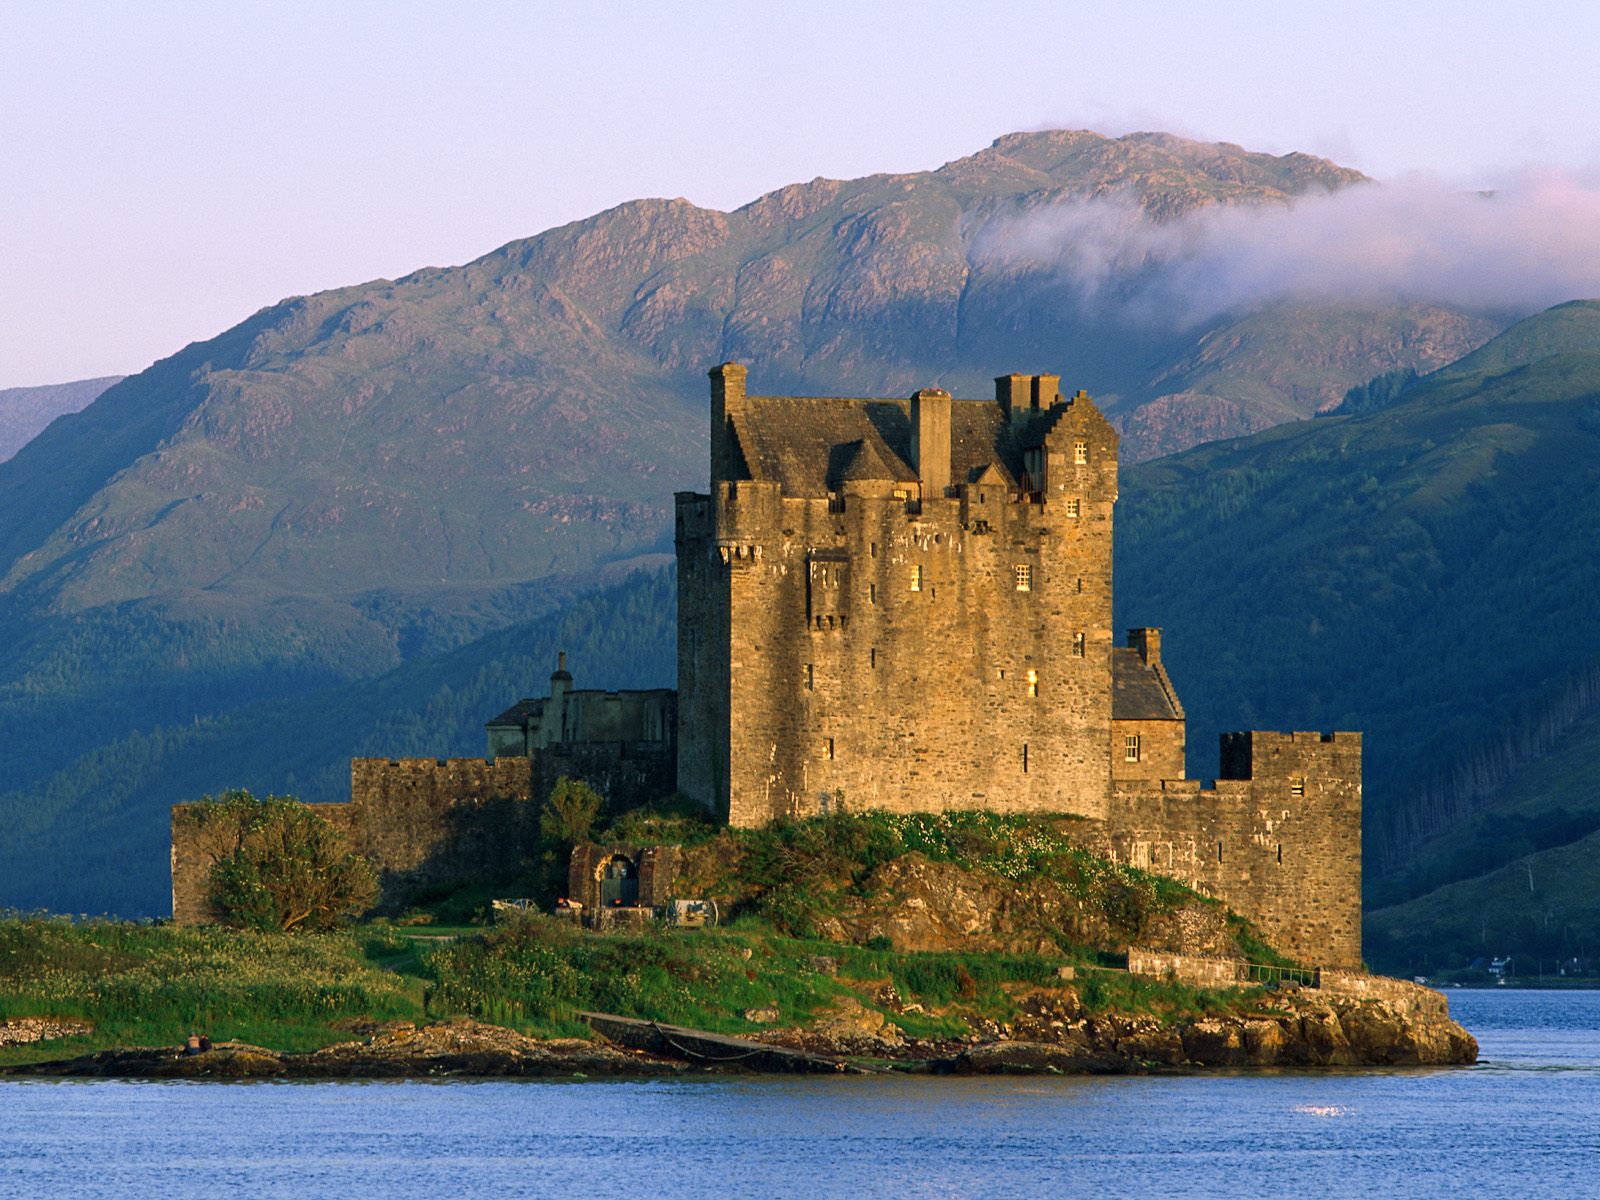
<point x="420" y="822"/>
<point x="1192" y="969"/>
<point x="1280" y="845"/>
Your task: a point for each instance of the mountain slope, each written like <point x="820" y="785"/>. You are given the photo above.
<point x="1424" y="572"/>
<point x="25" y="411"/>
<point x="349" y="481"/>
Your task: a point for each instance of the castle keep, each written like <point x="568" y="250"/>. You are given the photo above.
<point x="903" y="605"/>
<point x="906" y="604"/>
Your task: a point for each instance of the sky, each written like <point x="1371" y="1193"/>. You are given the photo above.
<point x="166" y="168"/>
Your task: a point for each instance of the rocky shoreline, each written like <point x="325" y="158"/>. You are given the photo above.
<point x="1051" y="1034"/>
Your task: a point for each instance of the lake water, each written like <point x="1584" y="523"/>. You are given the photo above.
<point x="1526" y="1121"/>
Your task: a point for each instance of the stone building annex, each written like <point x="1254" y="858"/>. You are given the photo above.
<point x="906" y="605"/>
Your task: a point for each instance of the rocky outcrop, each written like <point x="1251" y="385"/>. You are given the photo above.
<point x="396" y="1050"/>
<point x="20" y="1031"/>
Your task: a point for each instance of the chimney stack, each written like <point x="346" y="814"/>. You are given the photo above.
<point x="727" y="398"/>
<point x="1147" y="642"/>
<point x="1046" y="391"/>
<point x="1013" y="393"/>
<point x="930" y="440"/>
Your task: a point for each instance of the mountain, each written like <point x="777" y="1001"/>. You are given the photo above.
<point x="25" y="411"/>
<point x="350" y="482"/>
<point x="1425" y="572"/>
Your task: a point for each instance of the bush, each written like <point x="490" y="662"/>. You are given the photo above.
<point x="569" y="813"/>
<point x="289" y="868"/>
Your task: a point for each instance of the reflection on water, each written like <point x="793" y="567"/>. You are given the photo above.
<point x="1523" y="1122"/>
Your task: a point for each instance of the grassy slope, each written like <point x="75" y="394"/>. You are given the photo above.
<point x="154" y="984"/>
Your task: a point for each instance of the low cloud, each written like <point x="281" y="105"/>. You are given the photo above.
<point x="1532" y="241"/>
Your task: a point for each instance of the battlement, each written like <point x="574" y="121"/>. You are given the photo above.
<point x="1256" y="754"/>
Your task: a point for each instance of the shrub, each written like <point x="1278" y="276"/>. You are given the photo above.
<point x="569" y="813"/>
<point x="289" y="869"/>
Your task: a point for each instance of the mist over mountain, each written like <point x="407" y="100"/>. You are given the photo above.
<point x="356" y="481"/>
<point x="25" y="411"/>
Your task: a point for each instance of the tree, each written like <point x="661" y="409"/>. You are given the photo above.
<point x="289" y="868"/>
<point x="569" y="813"/>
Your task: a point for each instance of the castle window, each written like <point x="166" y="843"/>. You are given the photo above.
<point x="872" y="658"/>
<point x="1080" y="453"/>
<point x="1297" y="787"/>
<point x="872" y="593"/>
<point x="829" y="748"/>
<point x="1024" y="573"/>
<point x="900" y="493"/>
<point x="1033" y="682"/>
<point x="1074" y="508"/>
<point x="873" y="549"/>
<point x="916" y="579"/>
<point x="1077" y="645"/>
<point x="1080" y="585"/>
<point x="1219" y="851"/>
<point x="1280" y="852"/>
<point x="811" y="677"/>
<point x="1024" y="758"/>
<point x="1130" y="748"/>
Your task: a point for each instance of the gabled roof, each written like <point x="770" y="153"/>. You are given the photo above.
<point x="806" y="444"/>
<point x="518" y="713"/>
<point x="1140" y="692"/>
<point x="867" y="459"/>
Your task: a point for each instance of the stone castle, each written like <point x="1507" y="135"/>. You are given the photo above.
<point x="906" y="605"/>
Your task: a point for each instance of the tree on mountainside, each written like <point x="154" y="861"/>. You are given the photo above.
<point x="289" y="868"/>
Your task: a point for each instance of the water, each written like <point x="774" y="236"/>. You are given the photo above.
<point x="1526" y="1121"/>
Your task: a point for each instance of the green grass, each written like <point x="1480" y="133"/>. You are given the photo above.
<point x="153" y="985"/>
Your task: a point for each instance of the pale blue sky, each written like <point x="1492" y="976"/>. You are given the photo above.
<point x="168" y="168"/>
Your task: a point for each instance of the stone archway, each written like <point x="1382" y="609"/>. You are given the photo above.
<point x="619" y="882"/>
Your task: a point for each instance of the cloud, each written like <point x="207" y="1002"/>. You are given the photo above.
<point x="1532" y="241"/>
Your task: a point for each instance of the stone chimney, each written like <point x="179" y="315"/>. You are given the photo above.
<point x="1013" y="393"/>
<point x="1046" y="391"/>
<point x="727" y="398"/>
<point x="930" y="440"/>
<point x="1148" y="643"/>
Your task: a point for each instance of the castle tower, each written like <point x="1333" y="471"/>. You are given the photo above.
<point x="898" y="604"/>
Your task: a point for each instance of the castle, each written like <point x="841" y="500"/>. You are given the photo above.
<point x="906" y="605"/>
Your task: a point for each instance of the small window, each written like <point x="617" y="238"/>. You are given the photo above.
<point x="1080" y="453"/>
<point x="874" y="548"/>
<point x="1024" y="758"/>
<point x="811" y="677"/>
<point x="900" y="494"/>
<point x="829" y="748"/>
<point x="1080" y="585"/>
<point x="1077" y="645"/>
<point x="1033" y="682"/>
<point x="872" y="658"/>
<point x="916" y="579"/>
<point x="1024" y="573"/>
<point x="1280" y="852"/>
<point x="1130" y="748"/>
<point x="1074" y="508"/>
<point x="1297" y="787"/>
<point x="872" y="593"/>
<point x="1219" y="851"/>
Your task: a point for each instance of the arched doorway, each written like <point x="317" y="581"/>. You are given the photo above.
<point x="619" y="883"/>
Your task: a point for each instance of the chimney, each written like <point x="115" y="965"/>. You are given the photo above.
<point x="1013" y="394"/>
<point x="1046" y="391"/>
<point x="1148" y="643"/>
<point x="727" y="398"/>
<point x="930" y="440"/>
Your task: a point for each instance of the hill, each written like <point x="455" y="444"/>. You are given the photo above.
<point x="1425" y="572"/>
<point x="353" y="481"/>
<point x="25" y="411"/>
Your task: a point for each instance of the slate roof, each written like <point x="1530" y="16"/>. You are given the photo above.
<point x="518" y="713"/>
<point x="807" y="444"/>
<point x="1140" y="692"/>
